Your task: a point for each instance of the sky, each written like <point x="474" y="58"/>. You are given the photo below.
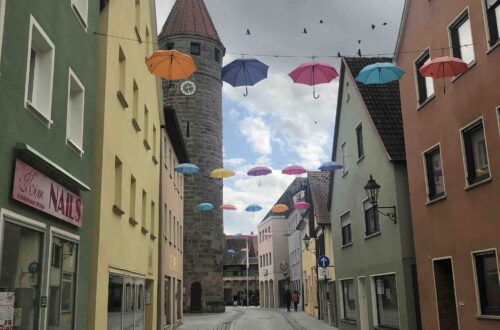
<point x="280" y="123"/>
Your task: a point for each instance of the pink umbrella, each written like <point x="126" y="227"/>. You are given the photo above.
<point x="259" y="171"/>
<point x="442" y="67"/>
<point x="313" y="73"/>
<point x="301" y="205"/>
<point x="294" y="170"/>
<point x="228" y="207"/>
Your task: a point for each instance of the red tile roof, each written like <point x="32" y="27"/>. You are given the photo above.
<point x="318" y="185"/>
<point x="189" y="17"/>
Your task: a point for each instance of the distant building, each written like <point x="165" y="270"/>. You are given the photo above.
<point x="453" y="154"/>
<point x="235" y="267"/>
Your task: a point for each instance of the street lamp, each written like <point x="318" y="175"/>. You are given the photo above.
<point x="372" y="189"/>
<point x="306" y="240"/>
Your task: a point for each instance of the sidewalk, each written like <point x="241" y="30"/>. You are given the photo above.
<point x="201" y="321"/>
<point x="307" y="321"/>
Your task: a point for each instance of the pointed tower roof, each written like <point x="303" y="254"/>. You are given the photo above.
<point x="190" y="17"/>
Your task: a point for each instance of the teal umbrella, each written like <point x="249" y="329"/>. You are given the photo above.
<point x="380" y="73"/>
<point x="186" y="168"/>
<point x="204" y="207"/>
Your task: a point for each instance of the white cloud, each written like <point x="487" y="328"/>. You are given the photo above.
<point x="234" y="161"/>
<point x="257" y="133"/>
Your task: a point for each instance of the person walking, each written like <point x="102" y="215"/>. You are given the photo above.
<point x="235" y="301"/>
<point x="295" y="299"/>
<point x="288" y="299"/>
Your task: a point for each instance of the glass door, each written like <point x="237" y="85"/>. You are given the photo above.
<point x="129" y="303"/>
<point x="139" y="311"/>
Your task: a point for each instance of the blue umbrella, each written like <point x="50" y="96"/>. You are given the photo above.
<point x="379" y="73"/>
<point x="236" y="235"/>
<point x="253" y="208"/>
<point x="187" y="168"/>
<point x="204" y="207"/>
<point x="330" y="166"/>
<point x="231" y="251"/>
<point x="244" y="72"/>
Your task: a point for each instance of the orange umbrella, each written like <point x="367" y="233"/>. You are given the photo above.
<point x="279" y="208"/>
<point x="171" y="64"/>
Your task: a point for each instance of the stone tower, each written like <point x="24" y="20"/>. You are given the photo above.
<point x="189" y="29"/>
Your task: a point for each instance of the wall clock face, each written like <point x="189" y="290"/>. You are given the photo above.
<point x="188" y="87"/>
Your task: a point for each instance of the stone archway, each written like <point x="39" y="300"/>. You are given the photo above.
<point x="271" y="294"/>
<point x="266" y="294"/>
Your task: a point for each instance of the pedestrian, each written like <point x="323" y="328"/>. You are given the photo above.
<point x="235" y="301"/>
<point x="295" y="299"/>
<point x="243" y="299"/>
<point x="288" y="299"/>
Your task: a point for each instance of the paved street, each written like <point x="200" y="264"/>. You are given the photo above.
<point x="253" y="318"/>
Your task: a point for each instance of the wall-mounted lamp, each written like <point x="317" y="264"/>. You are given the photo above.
<point x="372" y="189"/>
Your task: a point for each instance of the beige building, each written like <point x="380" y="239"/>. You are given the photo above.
<point x="171" y="245"/>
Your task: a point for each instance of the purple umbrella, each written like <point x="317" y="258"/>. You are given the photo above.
<point x="259" y="171"/>
<point x="313" y="73"/>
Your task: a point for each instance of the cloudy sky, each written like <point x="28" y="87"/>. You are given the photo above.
<point x="280" y="123"/>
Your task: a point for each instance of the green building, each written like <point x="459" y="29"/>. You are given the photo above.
<point x="47" y="105"/>
<point x="373" y="248"/>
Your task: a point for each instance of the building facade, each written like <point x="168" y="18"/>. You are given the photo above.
<point x="47" y="110"/>
<point x="171" y="233"/>
<point x="374" y="253"/>
<point x="453" y="164"/>
<point x="123" y="272"/>
<point x="200" y="117"/>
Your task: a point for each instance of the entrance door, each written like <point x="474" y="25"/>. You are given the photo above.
<point x="125" y="303"/>
<point x="363" y="304"/>
<point x="196" y="296"/>
<point x="445" y="294"/>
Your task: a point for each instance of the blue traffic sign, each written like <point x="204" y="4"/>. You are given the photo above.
<point x="323" y="262"/>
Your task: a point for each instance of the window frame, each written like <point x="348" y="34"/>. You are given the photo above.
<point x="429" y="152"/>
<point x="417" y="64"/>
<point x="194" y="44"/>
<point x="343" y="244"/>
<point x="345" y="164"/>
<point x="377" y="220"/>
<point x="217" y="54"/>
<point x="491" y="46"/>
<point x="73" y="144"/>
<point x="454" y="36"/>
<point x="479" y="301"/>
<point x="359" y="141"/>
<point x="373" y="283"/>
<point x="342" y="305"/>
<point x="468" y="129"/>
<point x="81" y="15"/>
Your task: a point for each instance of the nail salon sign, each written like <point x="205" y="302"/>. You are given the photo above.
<point x="40" y="192"/>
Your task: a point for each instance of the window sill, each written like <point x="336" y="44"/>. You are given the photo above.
<point x="132" y="221"/>
<point x="75" y="147"/>
<point x="79" y="17"/>
<point x="373" y="235"/>
<point x="345" y="173"/>
<point x="139" y="39"/>
<point x="470" y="66"/>
<point x="155" y="160"/>
<point x="144" y="230"/>
<point x="152" y="237"/>
<point x="121" y="98"/>
<point x="349" y="321"/>
<point x="489" y="317"/>
<point x="380" y="327"/>
<point x="136" y="125"/>
<point x="435" y="200"/>
<point x="474" y="185"/>
<point x="146" y="145"/>
<point x="360" y="159"/>
<point x="429" y="99"/>
<point x="38" y="114"/>
<point x="492" y="48"/>
<point x="117" y="210"/>
<point x="346" y="245"/>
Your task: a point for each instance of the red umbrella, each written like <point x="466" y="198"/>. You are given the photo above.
<point x="313" y="73"/>
<point x="228" y="207"/>
<point x="442" y="67"/>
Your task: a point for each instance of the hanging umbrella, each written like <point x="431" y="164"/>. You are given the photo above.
<point x="244" y="72"/>
<point x="186" y="168"/>
<point x="330" y="166"/>
<point x="244" y="250"/>
<point x="294" y="170"/>
<point x="379" y="73"/>
<point x="236" y="235"/>
<point x="313" y="73"/>
<point x="279" y="208"/>
<point x="259" y="171"/>
<point x="442" y="67"/>
<point x="253" y="208"/>
<point x="231" y="251"/>
<point x="204" y="207"/>
<point x="171" y="65"/>
<point x="301" y="205"/>
<point x="221" y="173"/>
<point x="227" y="207"/>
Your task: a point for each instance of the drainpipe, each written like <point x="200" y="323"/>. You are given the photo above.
<point x="160" y="240"/>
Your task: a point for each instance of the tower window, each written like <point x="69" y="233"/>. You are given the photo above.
<point x="187" y="129"/>
<point x="217" y="55"/>
<point x="195" y="48"/>
<point x="170" y="46"/>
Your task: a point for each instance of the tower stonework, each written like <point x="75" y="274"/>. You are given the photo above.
<point x="188" y="27"/>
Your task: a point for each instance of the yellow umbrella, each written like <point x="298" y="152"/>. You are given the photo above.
<point x="279" y="208"/>
<point x="171" y="64"/>
<point x="221" y="173"/>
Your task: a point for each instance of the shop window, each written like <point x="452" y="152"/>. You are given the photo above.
<point x="425" y="85"/>
<point x="372" y="224"/>
<point x="434" y="173"/>
<point x="387" y="301"/>
<point x="461" y="38"/>
<point x="115" y="298"/>
<point x="348" y="300"/>
<point x="195" y="48"/>
<point x="488" y="282"/>
<point x="359" y="139"/>
<point x="476" y="156"/>
<point x="493" y="20"/>
<point x="81" y="8"/>
<point x="345" y="222"/>
<point x="40" y="73"/>
<point x="75" y="112"/>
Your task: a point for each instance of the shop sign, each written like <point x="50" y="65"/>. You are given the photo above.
<point x="6" y="310"/>
<point x="40" y="192"/>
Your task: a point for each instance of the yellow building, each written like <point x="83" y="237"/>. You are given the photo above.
<point x="123" y="273"/>
<point x="310" y="279"/>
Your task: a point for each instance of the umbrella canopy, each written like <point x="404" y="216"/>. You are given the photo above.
<point x="294" y="170"/>
<point x="244" y="250"/>
<point x="301" y="205"/>
<point x="259" y="171"/>
<point x="313" y="73"/>
<point x="442" y="67"/>
<point x="253" y="208"/>
<point x="330" y="166"/>
<point x="379" y="73"/>
<point x="186" y="168"/>
<point x="228" y="207"/>
<point x="236" y="235"/>
<point x="204" y="207"/>
<point x="221" y="173"/>
<point x="171" y="65"/>
<point x="244" y="72"/>
<point x="231" y="251"/>
<point x="279" y="208"/>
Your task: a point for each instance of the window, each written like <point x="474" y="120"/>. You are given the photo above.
<point x="144" y="210"/>
<point x="148" y="43"/>
<point x="270" y="258"/>
<point x="348" y="300"/>
<point x="345" y="221"/>
<point x="168" y="318"/>
<point x="476" y="156"/>
<point x="195" y="48"/>
<point x="170" y="46"/>
<point x="170" y="161"/>
<point x="39" y="73"/>
<point x="372" y="225"/>
<point x="122" y="77"/>
<point x="146" y="128"/>
<point x="170" y="226"/>
<point x="217" y="55"/>
<point x="135" y="106"/>
<point x="76" y="106"/>
<point x="81" y="8"/>
<point x="118" y="183"/>
<point x="181" y="238"/>
<point x="387" y="301"/>
<point x="165" y="221"/>
<point x="493" y="18"/>
<point x="132" y="197"/>
<point x="174" y="229"/>
<point x="138" y="19"/>
<point x="434" y="173"/>
<point x="260" y="260"/>
<point x="343" y="150"/>
<point x="154" y="142"/>
<point x="359" y="137"/>
<point x="153" y="213"/>
<point x="488" y="282"/>
<point x="461" y="38"/>
<point x="425" y="85"/>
